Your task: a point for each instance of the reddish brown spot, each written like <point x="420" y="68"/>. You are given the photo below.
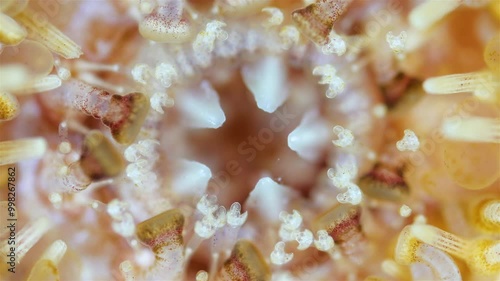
<point x="316" y="20"/>
<point x="341" y="222"/>
<point x="125" y="116"/>
<point x="162" y="230"/>
<point x="384" y="183"/>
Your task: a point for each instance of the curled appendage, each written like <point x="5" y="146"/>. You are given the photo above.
<point x="21" y="149"/>
<point x="346" y="138"/>
<point x="49" y="35"/>
<point x="291" y="221"/>
<point x="163" y="234"/>
<point x="245" y="263"/>
<point x="202" y="275"/>
<point x="289" y="36"/>
<point x="352" y="195"/>
<point x="483" y="84"/>
<point x="279" y="256"/>
<point x="46" y="268"/>
<point x="328" y="76"/>
<point x="305" y="239"/>
<point x="317" y="19"/>
<point x="234" y="217"/>
<point x="486" y="215"/>
<point x="276" y="16"/>
<point x="342" y="223"/>
<point x="26" y="238"/>
<point x="472" y="129"/>
<point x="397" y="43"/>
<point x="207" y="204"/>
<point x="430" y="12"/>
<point x="405" y="211"/>
<point x="123" y="222"/>
<point x="204" y="43"/>
<point x="11" y="33"/>
<point x="9" y="106"/>
<point x="206" y="228"/>
<point x="384" y="183"/>
<point x="409" y="142"/>
<point x="127" y="271"/>
<point x="144" y="149"/>
<point x="492" y="53"/>
<point x="343" y="174"/>
<point x="226" y="237"/>
<point x="482" y="256"/>
<point x="167" y="24"/>
<point x="165" y="73"/>
<point x="324" y="242"/>
<point x="335" y="44"/>
<point x="141" y="73"/>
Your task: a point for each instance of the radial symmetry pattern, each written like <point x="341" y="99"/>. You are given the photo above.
<point x="263" y="140"/>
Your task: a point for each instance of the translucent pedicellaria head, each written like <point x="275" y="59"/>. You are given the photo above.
<point x="346" y="137"/>
<point x="352" y="195"/>
<point x="324" y="242"/>
<point x="279" y="256"/>
<point x="409" y="142"/>
<point x="234" y="217"/>
<point x="207" y="204"/>
<point x="397" y="43"/>
<point x="291" y="221"/>
<point x="304" y="238"/>
<point x="343" y="174"/>
<point x="328" y="76"/>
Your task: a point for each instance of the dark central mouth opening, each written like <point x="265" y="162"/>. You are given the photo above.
<point x="251" y="144"/>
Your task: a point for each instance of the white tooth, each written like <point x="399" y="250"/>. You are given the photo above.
<point x="266" y="79"/>
<point x="269" y="198"/>
<point x="201" y="107"/>
<point x="310" y="137"/>
<point x="191" y="178"/>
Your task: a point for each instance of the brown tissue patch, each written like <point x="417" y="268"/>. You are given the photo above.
<point x="316" y="20"/>
<point x="162" y="230"/>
